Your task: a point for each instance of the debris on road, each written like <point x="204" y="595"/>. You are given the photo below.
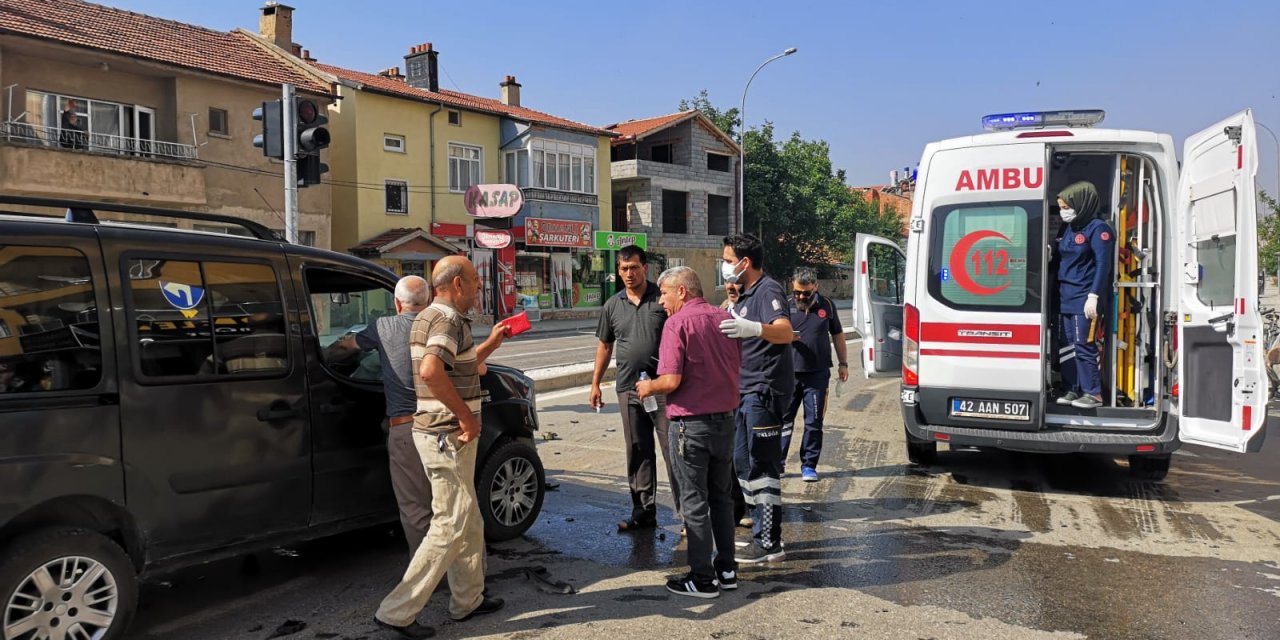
<point x="542" y="579"/>
<point x="289" y="628"/>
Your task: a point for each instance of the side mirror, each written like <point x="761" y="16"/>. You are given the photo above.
<point x="340" y="298"/>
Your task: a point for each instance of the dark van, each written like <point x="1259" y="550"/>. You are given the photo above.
<point x="168" y="397"/>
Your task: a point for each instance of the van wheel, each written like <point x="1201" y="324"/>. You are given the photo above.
<point x="510" y="489"/>
<point x="921" y="452"/>
<point x="1149" y="468"/>
<point x="66" y="581"/>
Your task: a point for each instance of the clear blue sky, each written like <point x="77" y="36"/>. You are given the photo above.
<point x="875" y="80"/>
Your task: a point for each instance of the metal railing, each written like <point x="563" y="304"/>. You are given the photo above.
<point x="96" y="142"/>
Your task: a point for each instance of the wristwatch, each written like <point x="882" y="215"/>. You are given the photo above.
<point x="844" y="364"/>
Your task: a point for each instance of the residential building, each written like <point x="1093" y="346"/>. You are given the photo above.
<point x="406" y="150"/>
<point x="675" y="180"/>
<point x="105" y="104"/>
<point x="896" y="196"/>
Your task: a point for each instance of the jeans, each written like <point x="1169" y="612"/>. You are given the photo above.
<point x="811" y="391"/>
<point x="1081" y="376"/>
<point x="702" y="458"/>
<point x="638" y="429"/>
<point x="758" y="461"/>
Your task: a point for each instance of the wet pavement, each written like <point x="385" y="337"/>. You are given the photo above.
<point x="980" y="545"/>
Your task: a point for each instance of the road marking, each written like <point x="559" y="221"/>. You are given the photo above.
<point x="564" y="393"/>
<point x="545" y="352"/>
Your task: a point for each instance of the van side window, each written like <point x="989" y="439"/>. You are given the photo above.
<point x="48" y="321"/>
<point x="342" y="305"/>
<point x="887" y="270"/>
<point x="206" y="319"/>
<point x="987" y="256"/>
<point x="1217" y="258"/>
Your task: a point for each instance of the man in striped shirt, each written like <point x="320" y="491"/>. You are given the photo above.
<point x="447" y="421"/>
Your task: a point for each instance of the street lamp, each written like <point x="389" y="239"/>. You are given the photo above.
<point x="742" y="138"/>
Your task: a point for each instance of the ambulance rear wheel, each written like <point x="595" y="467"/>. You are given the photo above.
<point x="921" y="452"/>
<point x="1149" y="468"/>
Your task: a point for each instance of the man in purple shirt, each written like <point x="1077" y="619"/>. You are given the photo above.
<point x="698" y="369"/>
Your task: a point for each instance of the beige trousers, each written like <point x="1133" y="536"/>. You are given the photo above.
<point x="455" y="541"/>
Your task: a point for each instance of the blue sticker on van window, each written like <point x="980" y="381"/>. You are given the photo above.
<point x="946" y="274"/>
<point x="181" y="296"/>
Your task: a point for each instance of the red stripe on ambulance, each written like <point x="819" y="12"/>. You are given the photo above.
<point x="963" y="353"/>
<point x="1012" y="334"/>
<point x="1000" y="179"/>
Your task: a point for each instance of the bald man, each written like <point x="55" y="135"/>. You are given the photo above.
<point x="389" y="335"/>
<point x="445" y="426"/>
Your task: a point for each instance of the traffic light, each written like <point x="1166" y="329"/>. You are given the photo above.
<point x="271" y="140"/>
<point x="310" y="169"/>
<point x="312" y="137"/>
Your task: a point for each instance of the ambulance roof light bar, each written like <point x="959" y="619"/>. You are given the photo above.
<point x="1036" y="119"/>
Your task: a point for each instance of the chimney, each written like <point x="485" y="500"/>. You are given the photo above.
<point x="276" y="24"/>
<point x="306" y="55"/>
<point x="423" y="67"/>
<point x="510" y="91"/>
<point x="393" y="73"/>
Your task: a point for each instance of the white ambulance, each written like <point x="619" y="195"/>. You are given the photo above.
<point x="967" y="317"/>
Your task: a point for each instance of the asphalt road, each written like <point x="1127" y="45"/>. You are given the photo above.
<point x="981" y="545"/>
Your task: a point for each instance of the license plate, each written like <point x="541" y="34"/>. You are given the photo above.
<point x="993" y="409"/>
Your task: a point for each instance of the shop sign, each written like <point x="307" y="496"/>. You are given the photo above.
<point x="545" y="301"/>
<point x="614" y="240"/>
<point x="493" y="200"/>
<point x="557" y="233"/>
<point x="551" y="195"/>
<point x="493" y="239"/>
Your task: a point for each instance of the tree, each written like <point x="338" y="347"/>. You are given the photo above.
<point x="800" y="206"/>
<point x="1268" y="234"/>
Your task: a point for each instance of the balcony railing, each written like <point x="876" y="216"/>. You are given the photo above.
<point x="96" y="142"/>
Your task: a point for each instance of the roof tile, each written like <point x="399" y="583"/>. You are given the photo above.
<point x="93" y="26"/>
<point x="641" y="128"/>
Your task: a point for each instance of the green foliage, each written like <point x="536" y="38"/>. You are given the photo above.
<point x="1268" y="234"/>
<point x="799" y="205"/>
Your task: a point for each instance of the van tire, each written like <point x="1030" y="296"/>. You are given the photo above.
<point x="516" y="470"/>
<point x="31" y="552"/>
<point x="1149" y="468"/>
<point x="921" y="452"/>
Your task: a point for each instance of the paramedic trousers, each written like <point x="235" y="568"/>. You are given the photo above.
<point x="455" y="542"/>
<point x="811" y="392"/>
<point x="1078" y="356"/>
<point x="757" y="456"/>
<point x="702" y="455"/>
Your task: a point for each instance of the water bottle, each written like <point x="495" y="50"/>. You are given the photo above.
<point x="839" y="386"/>
<point x="650" y="402"/>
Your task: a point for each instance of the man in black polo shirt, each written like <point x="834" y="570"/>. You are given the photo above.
<point x="817" y="327"/>
<point x="762" y="322"/>
<point x="633" y="320"/>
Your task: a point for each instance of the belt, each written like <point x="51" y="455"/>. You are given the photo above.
<point x="707" y="417"/>
<point x="396" y="421"/>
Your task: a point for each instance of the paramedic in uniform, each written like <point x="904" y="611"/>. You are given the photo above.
<point x="1083" y="255"/>
<point x="761" y="321"/>
<point x="817" y="329"/>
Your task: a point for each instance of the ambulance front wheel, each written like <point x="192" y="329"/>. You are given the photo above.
<point x="1149" y="468"/>
<point x="921" y="452"/>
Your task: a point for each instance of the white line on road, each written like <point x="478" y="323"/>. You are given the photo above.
<point x="542" y="353"/>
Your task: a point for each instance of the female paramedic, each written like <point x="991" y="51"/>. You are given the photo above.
<point x="1083" y="256"/>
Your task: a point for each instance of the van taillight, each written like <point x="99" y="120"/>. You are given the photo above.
<point x="910" y="345"/>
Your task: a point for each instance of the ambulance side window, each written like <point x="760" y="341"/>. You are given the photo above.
<point x="986" y="256"/>
<point x="886" y="270"/>
<point x="1217" y="259"/>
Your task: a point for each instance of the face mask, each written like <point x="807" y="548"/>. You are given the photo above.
<point x="730" y="272"/>
<point x="1067" y="214"/>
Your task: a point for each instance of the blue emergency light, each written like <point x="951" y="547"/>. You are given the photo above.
<point x="1036" y="119"/>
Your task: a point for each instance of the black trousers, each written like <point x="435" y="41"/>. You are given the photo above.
<point x="638" y="428"/>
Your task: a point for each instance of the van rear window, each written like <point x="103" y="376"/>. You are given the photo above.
<point x="986" y="256"/>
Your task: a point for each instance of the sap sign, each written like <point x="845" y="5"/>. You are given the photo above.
<point x="493" y="200"/>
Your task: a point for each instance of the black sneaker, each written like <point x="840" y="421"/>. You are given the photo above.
<point x="727" y="580"/>
<point x="487" y="605"/>
<point x="755" y="554"/>
<point x="687" y="586"/>
<point x="414" y="630"/>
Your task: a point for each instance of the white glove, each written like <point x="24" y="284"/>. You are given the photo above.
<point x="740" y="327"/>
<point x="1090" y="307"/>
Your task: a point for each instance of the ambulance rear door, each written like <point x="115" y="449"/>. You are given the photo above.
<point x="882" y="268"/>
<point x="1223" y="384"/>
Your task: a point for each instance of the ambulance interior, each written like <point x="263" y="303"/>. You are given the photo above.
<point x="1133" y="354"/>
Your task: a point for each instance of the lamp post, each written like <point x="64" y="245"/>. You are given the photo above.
<point x="742" y="139"/>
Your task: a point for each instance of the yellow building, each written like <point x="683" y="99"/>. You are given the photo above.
<point x="104" y="104"/>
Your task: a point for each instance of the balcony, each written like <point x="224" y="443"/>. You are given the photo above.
<point x="45" y="161"/>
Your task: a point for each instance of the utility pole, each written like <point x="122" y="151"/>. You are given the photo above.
<point x="289" y="113"/>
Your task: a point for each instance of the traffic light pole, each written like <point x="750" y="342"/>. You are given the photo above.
<point x="289" y="115"/>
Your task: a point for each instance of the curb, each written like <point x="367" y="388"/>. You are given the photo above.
<point x="566" y="376"/>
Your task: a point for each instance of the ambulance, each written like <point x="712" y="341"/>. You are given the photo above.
<point x="966" y="315"/>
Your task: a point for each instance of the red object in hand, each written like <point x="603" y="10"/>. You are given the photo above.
<point x="517" y="324"/>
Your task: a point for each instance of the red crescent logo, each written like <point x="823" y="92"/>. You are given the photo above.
<point x="1080" y="238"/>
<point x="822" y="313"/>
<point x="958" y="266"/>
<point x="1105" y="236"/>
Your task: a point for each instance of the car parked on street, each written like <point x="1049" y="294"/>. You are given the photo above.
<point x="168" y="397"/>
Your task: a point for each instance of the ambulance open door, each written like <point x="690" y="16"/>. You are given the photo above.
<point x="1223" y="386"/>
<point x="877" y="305"/>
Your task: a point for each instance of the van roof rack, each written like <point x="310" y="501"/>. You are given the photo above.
<point x="83" y="212"/>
